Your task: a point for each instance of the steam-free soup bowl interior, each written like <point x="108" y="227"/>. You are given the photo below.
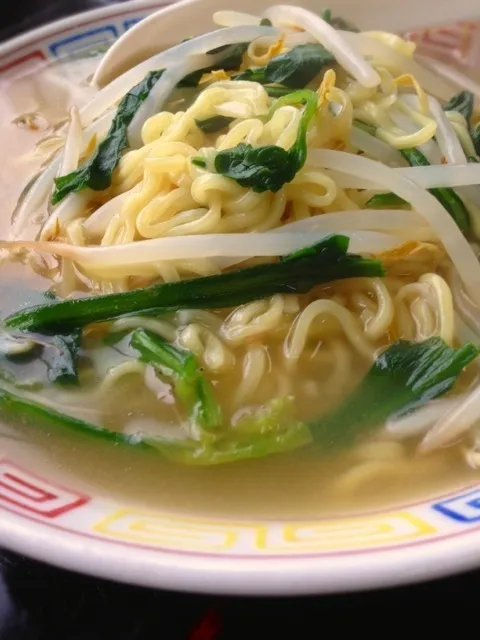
<point x="259" y="527"/>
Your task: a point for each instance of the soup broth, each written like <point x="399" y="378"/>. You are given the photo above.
<point x="286" y="357"/>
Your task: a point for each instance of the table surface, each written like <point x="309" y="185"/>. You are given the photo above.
<point x="39" y="602"/>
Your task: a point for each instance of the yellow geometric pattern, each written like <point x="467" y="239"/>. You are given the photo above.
<point x="172" y="532"/>
<point x="349" y="533"/>
<point x="195" y="534"/>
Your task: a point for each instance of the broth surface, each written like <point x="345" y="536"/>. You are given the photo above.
<point x="296" y="485"/>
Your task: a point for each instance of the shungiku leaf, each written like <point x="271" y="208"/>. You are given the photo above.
<point x="475" y="134"/>
<point x="61" y="357"/>
<point x="229" y="62"/>
<point x="268" y="168"/>
<point x="463" y="103"/>
<point x="383" y="200"/>
<point x="299" y="66"/>
<point x="265" y="168"/>
<point x="97" y="171"/>
<point x="294" y="69"/>
<point x="403" y="378"/>
<point x="213" y="124"/>
<point x="337" y="22"/>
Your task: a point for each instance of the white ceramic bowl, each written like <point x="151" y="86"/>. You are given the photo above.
<point x="101" y="536"/>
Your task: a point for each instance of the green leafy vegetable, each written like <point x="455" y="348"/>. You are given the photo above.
<point x="336" y="22"/>
<point x="213" y="124"/>
<point x="475" y="134"/>
<point x="230" y="62"/>
<point x="233" y="448"/>
<point x="268" y="168"/>
<point x="446" y="196"/>
<point x="277" y="91"/>
<point x="15" y="409"/>
<point x="382" y="200"/>
<point x="274" y="417"/>
<point x="368" y="128"/>
<point x="299" y="66"/>
<point x="265" y="168"/>
<point x="199" y="162"/>
<point x="253" y="74"/>
<point x="192" y="388"/>
<point x="21" y="410"/>
<point x="404" y="377"/>
<point x="96" y="173"/>
<point x="463" y="103"/>
<point x="294" y="68"/>
<point x="298" y="272"/>
<point x="114" y="337"/>
<point x="58" y="352"/>
<point x="61" y="357"/>
<point x="233" y="56"/>
<point x="326" y="15"/>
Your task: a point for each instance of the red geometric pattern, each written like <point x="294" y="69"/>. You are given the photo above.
<point x="31" y="494"/>
<point x="458" y="42"/>
<point x="28" y="58"/>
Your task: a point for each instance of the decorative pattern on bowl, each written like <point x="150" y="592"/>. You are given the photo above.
<point x="88" y="533"/>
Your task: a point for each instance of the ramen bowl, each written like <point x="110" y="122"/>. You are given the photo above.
<point x="76" y="517"/>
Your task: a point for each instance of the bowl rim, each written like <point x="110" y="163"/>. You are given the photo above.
<point x="262" y="576"/>
<point x="80" y="19"/>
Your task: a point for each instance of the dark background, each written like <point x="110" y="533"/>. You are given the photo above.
<point x="38" y="602"/>
<point x="19" y="16"/>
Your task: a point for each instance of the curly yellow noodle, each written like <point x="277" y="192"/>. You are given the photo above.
<point x="255" y="367"/>
<point x="257" y="318"/>
<point x="248" y="131"/>
<point x="337" y="356"/>
<point x="377" y="313"/>
<point x="424" y="309"/>
<point x="120" y="371"/>
<point x="342" y="202"/>
<point x="282" y="128"/>
<point x="312" y="188"/>
<point x="160" y="327"/>
<point x="208" y="347"/>
<point x="350" y="326"/>
<point x="207" y="318"/>
<point x="333" y="127"/>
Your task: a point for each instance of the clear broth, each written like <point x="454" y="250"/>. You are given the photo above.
<point x="296" y="485"/>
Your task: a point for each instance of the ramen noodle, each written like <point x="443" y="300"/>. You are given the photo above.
<point x="256" y="251"/>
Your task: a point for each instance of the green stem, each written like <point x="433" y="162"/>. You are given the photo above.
<point x="191" y="387"/>
<point x="298" y="272"/>
<point x="446" y="196"/>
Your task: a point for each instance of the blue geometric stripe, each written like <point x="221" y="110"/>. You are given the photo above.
<point x="127" y="24"/>
<point x="464" y="508"/>
<point x="85" y="39"/>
